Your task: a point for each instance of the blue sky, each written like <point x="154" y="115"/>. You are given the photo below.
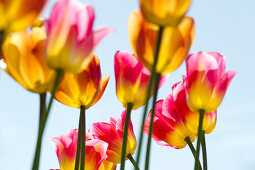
<point x="224" y="26"/>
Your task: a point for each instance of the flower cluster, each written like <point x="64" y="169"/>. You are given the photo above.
<point x="56" y="55"/>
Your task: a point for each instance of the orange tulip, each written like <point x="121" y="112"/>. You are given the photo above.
<point x="175" y="43"/>
<point x="82" y="89"/>
<point x="17" y="15"/>
<point x="164" y="12"/>
<point x="24" y="60"/>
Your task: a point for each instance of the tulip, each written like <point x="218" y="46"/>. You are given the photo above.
<point x="166" y="12"/>
<point x="82" y="89"/>
<point x="65" y="146"/>
<point x="132" y="79"/>
<point x="24" y="60"/>
<point x="206" y="82"/>
<point x="17" y="15"/>
<point x="174" y="46"/>
<point x="107" y="165"/>
<point x="112" y="133"/>
<point x="71" y="40"/>
<point x="174" y="121"/>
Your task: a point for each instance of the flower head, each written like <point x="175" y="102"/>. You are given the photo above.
<point x="65" y="146"/>
<point x="112" y="134"/>
<point x="164" y="12"/>
<point x="24" y="60"/>
<point x="174" y="121"/>
<point x="71" y="40"/>
<point x="17" y="15"/>
<point x="174" y="47"/>
<point x="132" y="79"/>
<point x="206" y="82"/>
<point x="82" y="89"/>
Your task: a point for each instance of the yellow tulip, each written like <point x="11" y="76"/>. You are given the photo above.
<point x="164" y="12"/>
<point x="174" y="46"/>
<point x="82" y="89"/>
<point x="24" y="60"/>
<point x="17" y="15"/>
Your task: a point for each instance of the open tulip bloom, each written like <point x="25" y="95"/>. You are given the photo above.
<point x="174" y="122"/>
<point x="70" y="37"/>
<point x="112" y="133"/>
<point x="65" y="146"/>
<point x="206" y="82"/>
<point x="17" y="15"/>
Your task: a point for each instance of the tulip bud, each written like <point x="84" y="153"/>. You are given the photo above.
<point x="132" y="79"/>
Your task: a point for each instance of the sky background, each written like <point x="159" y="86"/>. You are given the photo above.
<point x="225" y="26"/>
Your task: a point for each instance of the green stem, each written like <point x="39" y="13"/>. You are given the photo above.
<point x="125" y="134"/>
<point x="42" y="107"/>
<point x="83" y="137"/>
<point x="2" y="38"/>
<point x="187" y="140"/>
<point x="157" y="80"/>
<point x="201" y="117"/>
<point x="78" y="148"/>
<point x="129" y="156"/>
<point x="204" y="151"/>
<point x="43" y="122"/>
<point x="148" y="95"/>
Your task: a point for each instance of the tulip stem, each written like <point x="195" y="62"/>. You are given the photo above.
<point x="125" y="134"/>
<point x="199" y="135"/>
<point x="187" y="140"/>
<point x="44" y="120"/>
<point x="2" y="38"/>
<point x="157" y="80"/>
<point x="83" y="137"/>
<point x="42" y="107"/>
<point x="148" y="95"/>
<point x="130" y="157"/>
<point x="204" y="151"/>
<point x="78" y="148"/>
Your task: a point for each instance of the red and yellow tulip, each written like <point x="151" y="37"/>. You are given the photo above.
<point x="174" y="46"/>
<point x="164" y="12"/>
<point x="112" y="134"/>
<point x="82" y="89"/>
<point x="24" y="60"/>
<point x="71" y="40"/>
<point x="174" y="121"/>
<point x="206" y="82"/>
<point x="65" y="146"/>
<point x="132" y="79"/>
<point x="17" y="15"/>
